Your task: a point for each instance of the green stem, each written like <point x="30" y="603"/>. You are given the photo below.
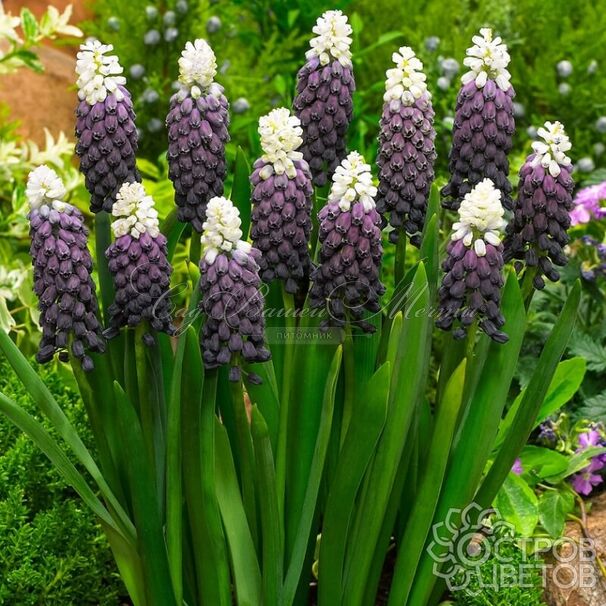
<point x="246" y="457"/>
<point x="527" y="286"/>
<point x="287" y="375"/>
<point x="400" y="260"/>
<point x="350" y="381"/>
<point x="194" y="248"/>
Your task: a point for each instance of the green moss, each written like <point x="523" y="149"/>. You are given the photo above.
<point x="52" y="552"/>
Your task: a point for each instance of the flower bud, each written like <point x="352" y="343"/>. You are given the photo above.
<point x="484" y="122"/>
<point x="406" y="147"/>
<point x="105" y="127"/>
<point x="62" y="272"/>
<point x="323" y="103"/>
<point x="197" y="133"/>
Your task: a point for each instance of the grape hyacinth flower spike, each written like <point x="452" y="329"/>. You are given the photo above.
<point x="406" y="147"/>
<point x="197" y="125"/>
<point x="234" y="327"/>
<point x="537" y="233"/>
<point x="281" y="197"/>
<point x="105" y="125"/>
<point x="137" y="260"/>
<point x="347" y="281"/>
<point x="325" y="85"/>
<point x="483" y="124"/>
<point x="471" y="287"/>
<point x="62" y="272"/>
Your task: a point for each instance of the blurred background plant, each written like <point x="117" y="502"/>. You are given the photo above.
<point x="53" y="551"/>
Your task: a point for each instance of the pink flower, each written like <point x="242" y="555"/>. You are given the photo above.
<point x="590" y="438"/>
<point x="588" y="204"/>
<point x="585" y="481"/>
<point x="517" y="467"/>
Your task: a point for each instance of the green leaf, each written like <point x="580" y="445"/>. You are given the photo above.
<point x="552" y="513"/>
<point x="524" y="419"/>
<point x="7" y="322"/>
<point x="271" y="527"/>
<point x="355" y="456"/>
<point x="145" y="505"/>
<point x="565" y="383"/>
<point x="543" y="462"/>
<point x="576" y="463"/>
<point x="517" y="504"/>
<point x="29" y="24"/>
<point x="426" y="499"/>
<point x="406" y="389"/>
<point x="29" y="59"/>
<point x="247" y="576"/>
<point x="594" y="353"/>
<point x="28" y="425"/>
<point x="295" y="568"/>
<point x="241" y="192"/>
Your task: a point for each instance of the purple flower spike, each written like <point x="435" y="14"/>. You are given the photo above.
<point x="281" y="197"/>
<point x="471" y="287"/>
<point x="325" y="85"/>
<point x="105" y="126"/>
<point x="484" y="123"/>
<point x="62" y="272"/>
<point x="406" y="147"/>
<point x="197" y="133"/>
<point x="138" y="264"/>
<point x="537" y="234"/>
<point x="234" y="327"/>
<point x="347" y="281"/>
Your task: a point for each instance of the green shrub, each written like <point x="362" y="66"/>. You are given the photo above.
<point x="52" y="552"/>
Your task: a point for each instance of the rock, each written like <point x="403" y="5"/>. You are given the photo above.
<point x="42" y="100"/>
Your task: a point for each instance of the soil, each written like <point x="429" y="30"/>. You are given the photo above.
<point x="48" y="99"/>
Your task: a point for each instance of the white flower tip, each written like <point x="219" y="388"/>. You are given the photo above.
<point x="197" y="65"/>
<point x="44" y="187"/>
<point x="488" y="58"/>
<point x="480" y="217"/>
<point x="135" y="212"/>
<point x="551" y="152"/>
<point x="281" y="136"/>
<point x="333" y="39"/>
<point x="99" y="74"/>
<point x="405" y="82"/>
<point x="352" y="182"/>
<point x="221" y="230"/>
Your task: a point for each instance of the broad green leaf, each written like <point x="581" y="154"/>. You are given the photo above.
<point x="426" y="499"/>
<point x="271" y="527"/>
<point x="543" y="462"/>
<point x="145" y="505"/>
<point x="7" y="322"/>
<point x="517" y="504"/>
<point x="406" y="389"/>
<point x="585" y="346"/>
<point x="565" y="383"/>
<point x="308" y="510"/>
<point x="354" y="458"/>
<point x="576" y="463"/>
<point x="552" y="513"/>
<point x="245" y="565"/>
<point x="524" y="419"/>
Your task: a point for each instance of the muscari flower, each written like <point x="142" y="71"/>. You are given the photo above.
<point x="62" y="272"/>
<point x="537" y="232"/>
<point x="197" y="133"/>
<point x="325" y="85"/>
<point x="484" y="122"/>
<point x="281" y="197"/>
<point x="406" y="147"/>
<point x="347" y="280"/>
<point x="234" y="327"/>
<point x="471" y="287"/>
<point x="137" y="260"/>
<point x="105" y="126"/>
